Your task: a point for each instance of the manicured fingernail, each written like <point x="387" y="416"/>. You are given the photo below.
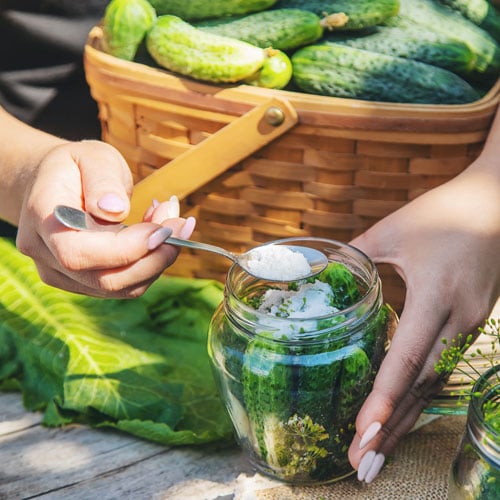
<point x="173" y="208"/>
<point x="365" y="464"/>
<point x="187" y="228"/>
<point x="112" y="203"/>
<point x="158" y="237"/>
<point x="369" y="434"/>
<point x="155" y="203"/>
<point x="375" y="467"/>
<point x="149" y="212"/>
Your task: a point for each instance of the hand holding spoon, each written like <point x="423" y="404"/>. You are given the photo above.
<point x="317" y="261"/>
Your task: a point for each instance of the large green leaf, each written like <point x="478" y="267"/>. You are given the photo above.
<point x="138" y="365"/>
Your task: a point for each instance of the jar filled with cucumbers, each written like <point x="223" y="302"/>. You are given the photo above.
<point x="295" y="360"/>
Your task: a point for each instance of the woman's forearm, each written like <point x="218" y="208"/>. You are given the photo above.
<point x="490" y="156"/>
<point x="23" y="147"/>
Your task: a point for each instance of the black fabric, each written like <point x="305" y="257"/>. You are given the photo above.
<point x="42" y="81"/>
<point x="7" y="230"/>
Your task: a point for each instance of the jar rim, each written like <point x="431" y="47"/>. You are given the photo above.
<point x="370" y="278"/>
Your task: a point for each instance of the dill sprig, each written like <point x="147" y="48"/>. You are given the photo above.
<point x="455" y="352"/>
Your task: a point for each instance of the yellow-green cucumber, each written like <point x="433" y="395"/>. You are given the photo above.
<point x="412" y="43"/>
<point x="180" y="47"/>
<point x="276" y="72"/>
<point x="125" y="24"/>
<point x="282" y="29"/>
<point x="191" y="10"/>
<point x="342" y="71"/>
<point x="360" y="13"/>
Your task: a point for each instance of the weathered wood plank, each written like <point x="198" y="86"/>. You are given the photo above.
<point x="13" y="415"/>
<point x="38" y="459"/>
<point x="79" y="463"/>
<point x="183" y="473"/>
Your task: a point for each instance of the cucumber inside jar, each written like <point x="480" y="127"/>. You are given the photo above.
<point x="294" y="386"/>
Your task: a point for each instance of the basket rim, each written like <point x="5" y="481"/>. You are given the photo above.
<point x="95" y="54"/>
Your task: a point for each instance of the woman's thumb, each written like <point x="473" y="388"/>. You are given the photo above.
<point x="106" y="180"/>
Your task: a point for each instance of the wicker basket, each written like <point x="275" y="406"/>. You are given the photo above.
<point x="255" y="165"/>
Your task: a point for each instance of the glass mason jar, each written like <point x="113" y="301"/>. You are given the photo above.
<point x="475" y="473"/>
<point x="293" y="383"/>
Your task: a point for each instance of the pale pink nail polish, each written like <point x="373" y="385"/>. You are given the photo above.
<point x="369" y="434"/>
<point x="158" y="237"/>
<point x="187" y="228"/>
<point x="112" y="203"/>
<point x="173" y="209"/>
<point x="149" y="212"/>
<point x="365" y="464"/>
<point x="376" y="465"/>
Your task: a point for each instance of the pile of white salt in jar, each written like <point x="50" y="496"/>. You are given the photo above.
<point x="278" y="263"/>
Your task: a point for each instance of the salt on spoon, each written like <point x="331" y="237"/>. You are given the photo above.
<point x="277" y="263"/>
<point x="273" y="262"/>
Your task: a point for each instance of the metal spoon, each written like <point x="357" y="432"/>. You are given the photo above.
<point x="80" y="220"/>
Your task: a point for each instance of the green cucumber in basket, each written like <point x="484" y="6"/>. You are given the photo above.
<point x="433" y="16"/>
<point x="480" y="12"/>
<point x="125" y="25"/>
<point x="282" y="29"/>
<point x="413" y="43"/>
<point x="341" y="71"/>
<point x="361" y="13"/>
<point x="191" y="10"/>
<point x="180" y="47"/>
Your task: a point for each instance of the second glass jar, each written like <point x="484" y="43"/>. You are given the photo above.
<point x="293" y="384"/>
<point x="475" y="471"/>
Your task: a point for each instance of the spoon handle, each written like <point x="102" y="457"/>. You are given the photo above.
<point x="78" y="219"/>
<point x="200" y="246"/>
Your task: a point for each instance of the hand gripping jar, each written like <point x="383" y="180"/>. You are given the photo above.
<point x="294" y="361"/>
<point x="475" y="472"/>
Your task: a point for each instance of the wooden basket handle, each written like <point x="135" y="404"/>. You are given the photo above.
<point x="214" y="155"/>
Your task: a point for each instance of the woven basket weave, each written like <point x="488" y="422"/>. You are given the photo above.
<point x="330" y="167"/>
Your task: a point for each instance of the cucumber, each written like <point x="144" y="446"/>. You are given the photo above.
<point x="480" y="12"/>
<point x="413" y="43"/>
<point x="282" y="29"/>
<point x="275" y="73"/>
<point x="176" y="45"/>
<point x="341" y="71"/>
<point x="302" y="397"/>
<point x="361" y="13"/>
<point x="125" y="24"/>
<point x="340" y="279"/>
<point x="267" y="391"/>
<point x="191" y="10"/>
<point x="315" y="384"/>
<point x="436" y="17"/>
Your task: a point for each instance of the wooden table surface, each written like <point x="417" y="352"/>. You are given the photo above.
<point x="77" y="462"/>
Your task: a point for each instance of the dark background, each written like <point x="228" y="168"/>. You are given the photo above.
<point x="42" y="81"/>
